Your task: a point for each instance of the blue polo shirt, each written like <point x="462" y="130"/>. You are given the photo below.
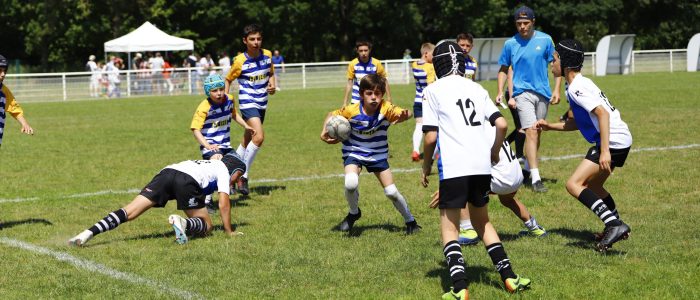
<point x="530" y="60"/>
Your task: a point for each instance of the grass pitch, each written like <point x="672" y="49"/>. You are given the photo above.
<point x="87" y="156"/>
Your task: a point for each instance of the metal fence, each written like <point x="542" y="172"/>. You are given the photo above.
<point x="49" y="87"/>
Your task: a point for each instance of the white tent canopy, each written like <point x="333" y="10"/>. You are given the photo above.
<point x="148" y="38"/>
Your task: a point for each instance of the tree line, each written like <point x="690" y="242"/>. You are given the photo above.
<point x="59" y="35"/>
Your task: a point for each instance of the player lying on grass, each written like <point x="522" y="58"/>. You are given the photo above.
<point x="8" y="104"/>
<point x="368" y="147"/>
<point x="600" y="123"/>
<point x="467" y="152"/>
<point x="187" y="182"/>
<point x="211" y="123"/>
<point x="506" y="179"/>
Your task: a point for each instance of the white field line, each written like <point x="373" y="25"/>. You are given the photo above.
<point x="319" y="177"/>
<point x="99" y="268"/>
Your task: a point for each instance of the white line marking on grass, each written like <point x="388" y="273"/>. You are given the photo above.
<point x="99" y="268"/>
<point x="319" y="177"/>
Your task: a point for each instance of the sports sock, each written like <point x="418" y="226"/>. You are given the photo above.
<point x="534" y="174"/>
<point x="250" y="153"/>
<point x="399" y="202"/>
<point x="417" y="136"/>
<point x="500" y="261"/>
<point x="611" y="205"/>
<point x="465" y="224"/>
<point x="353" y="198"/>
<point x="519" y="144"/>
<point x="456" y="265"/>
<point x="195" y="226"/>
<point x="111" y="221"/>
<point x="207" y="199"/>
<point x="240" y="150"/>
<point x="594" y="203"/>
<point x="532" y="223"/>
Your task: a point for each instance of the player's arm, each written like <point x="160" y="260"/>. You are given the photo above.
<point x="430" y="130"/>
<point x="502" y="77"/>
<point x="555" y="92"/>
<point x="397" y="114"/>
<point x="16" y="111"/>
<point x="243" y="124"/>
<point x="225" y="211"/>
<point x="604" y="127"/>
<point x="271" y="83"/>
<point x="233" y="73"/>
<point x="348" y="86"/>
<point x="382" y="72"/>
<point x="388" y="91"/>
<point x="568" y="125"/>
<point x="324" y="132"/>
<point x="501" y="128"/>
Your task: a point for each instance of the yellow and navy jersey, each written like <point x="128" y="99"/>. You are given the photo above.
<point x="470" y="66"/>
<point x="253" y="74"/>
<point x="214" y="121"/>
<point x="358" y="69"/>
<point x="368" y="137"/>
<point x="424" y="73"/>
<point x="8" y="104"/>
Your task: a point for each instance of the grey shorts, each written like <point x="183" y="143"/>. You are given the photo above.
<point x="531" y="107"/>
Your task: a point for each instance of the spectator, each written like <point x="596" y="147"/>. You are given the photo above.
<point x="224" y="63"/>
<point x="278" y="63"/>
<point x="191" y="62"/>
<point x="136" y="65"/>
<point x="145" y="75"/>
<point x="168" y="83"/>
<point x="112" y="71"/>
<point x="156" y="64"/>
<point x="529" y="52"/>
<point x="407" y="54"/>
<point x="94" y="77"/>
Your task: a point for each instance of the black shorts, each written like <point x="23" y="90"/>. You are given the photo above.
<point x="456" y="192"/>
<point x="253" y="113"/>
<point x="172" y="184"/>
<point x="617" y="156"/>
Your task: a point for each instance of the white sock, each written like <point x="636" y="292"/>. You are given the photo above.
<point x="207" y="199"/>
<point x="465" y="224"/>
<point x="353" y="198"/>
<point x="250" y="153"/>
<point x="532" y="223"/>
<point x="417" y="136"/>
<point x="399" y="202"/>
<point x="240" y="151"/>
<point x="535" y="175"/>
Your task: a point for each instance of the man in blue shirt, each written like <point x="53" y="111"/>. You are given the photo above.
<point x="529" y="53"/>
<point x="278" y="62"/>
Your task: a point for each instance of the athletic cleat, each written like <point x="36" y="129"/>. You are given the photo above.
<point x="451" y="295"/>
<point x="349" y="221"/>
<point x="611" y="235"/>
<point x="179" y="225"/>
<point x="412" y="227"/>
<point x="415" y="156"/>
<point x="537" y="232"/>
<point x="517" y="284"/>
<point x="80" y="239"/>
<point x="243" y="186"/>
<point x="539" y="187"/>
<point x="468" y="237"/>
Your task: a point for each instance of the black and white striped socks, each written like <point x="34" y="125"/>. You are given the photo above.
<point x="455" y="262"/>
<point x="195" y="226"/>
<point x="597" y="205"/>
<point x="111" y="221"/>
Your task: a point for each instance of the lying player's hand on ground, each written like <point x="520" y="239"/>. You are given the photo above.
<point x="604" y="161"/>
<point x="27" y="130"/>
<point x="234" y="233"/>
<point x="434" y="199"/>
<point x="511" y="103"/>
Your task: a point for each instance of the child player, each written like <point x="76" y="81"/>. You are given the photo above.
<point x="187" y="182"/>
<point x="424" y="74"/>
<point x="254" y="71"/>
<point x="8" y="104"/>
<point x="363" y="65"/>
<point x="211" y="123"/>
<point x="466" y="42"/>
<point x="467" y="152"/>
<point x="368" y="147"/>
<point x="600" y="123"/>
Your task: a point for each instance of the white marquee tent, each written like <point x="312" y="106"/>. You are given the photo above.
<point x="148" y="38"/>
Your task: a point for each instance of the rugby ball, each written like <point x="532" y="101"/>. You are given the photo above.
<point x="338" y="128"/>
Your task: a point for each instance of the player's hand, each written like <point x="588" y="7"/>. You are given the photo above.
<point x="605" y="161"/>
<point x="217" y="156"/>
<point x="271" y="89"/>
<point x="495" y="157"/>
<point x="28" y="130"/>
<point x="213" y="147"/>
<point x="424" y="179"/>
<point x="234" y="233"/>
<point x="329" y="140"/>
<point x="511" y="103"/>
<point x="435" y="199"/>
<point x="499" y="99"/>
<point x="250" y="130"/>
<point x="541" y="124"/>
<point x="405" y="114"/>
<point x="555" y="99"/>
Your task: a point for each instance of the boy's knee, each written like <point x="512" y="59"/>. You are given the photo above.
<point x="392" y="192"/>
<point x="351" y="181"/>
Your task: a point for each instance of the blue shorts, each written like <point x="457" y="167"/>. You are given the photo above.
<point x="417" y="109"/>
<point x="209" y="154"/>
<point x="371" y="166"/>
<point x="253" y="113"/>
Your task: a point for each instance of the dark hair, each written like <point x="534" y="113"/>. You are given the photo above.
<point x="252" y="28"/>
<point x="373" y="82"/>
<point x="465" y="36"/>
<point x="363" y="43"/>
<point x="570" y="55"/>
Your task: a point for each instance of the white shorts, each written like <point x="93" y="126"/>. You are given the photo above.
<point x="531" y="107"/>
<point x="506" y="177"/>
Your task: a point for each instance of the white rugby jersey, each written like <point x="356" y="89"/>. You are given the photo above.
<point x="212" y="175"/>
<point x="506" y="175"/>
<point x="459" y="108"/>
<point x="584" y="96"/>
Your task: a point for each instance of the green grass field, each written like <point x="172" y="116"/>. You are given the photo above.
<point x="55" y="184"/>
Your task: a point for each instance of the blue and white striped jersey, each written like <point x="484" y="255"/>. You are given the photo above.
<point x="424" y="74"/>
<point x="358" y="69"/>
<point x="214" y="121"/>
<point x="253" y="74"/>
<point x="368" y="138"/>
